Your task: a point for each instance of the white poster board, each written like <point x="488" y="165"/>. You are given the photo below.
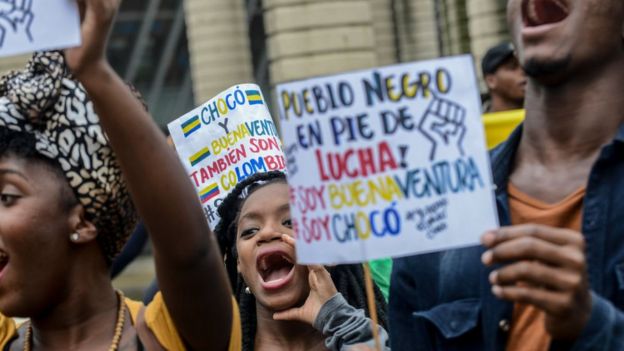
<point x="35" y="25"/>
<point x="387" y="162"/>
<point x="226" y="140"/>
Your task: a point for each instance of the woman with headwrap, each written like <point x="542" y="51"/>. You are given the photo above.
<point x="66" y="210"/>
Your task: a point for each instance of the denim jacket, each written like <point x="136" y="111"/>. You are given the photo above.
<point x="443" y="301"/>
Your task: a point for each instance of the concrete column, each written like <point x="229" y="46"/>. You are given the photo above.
<point x="418" y="34"/>
<point x="307" y="38"/>
<point x="456" y="33"/>
<point x="218" y="44"/>
<point x="487" y="26"/>
<point x="383" y="28"/>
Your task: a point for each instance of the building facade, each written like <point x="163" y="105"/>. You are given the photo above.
<point x="181" y="53"/>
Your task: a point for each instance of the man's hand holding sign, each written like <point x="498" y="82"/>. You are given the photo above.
<point x="545" y="267"/>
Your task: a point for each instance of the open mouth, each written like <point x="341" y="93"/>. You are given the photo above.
<point x="275" y="269"/>
<point x="541" y="12"/>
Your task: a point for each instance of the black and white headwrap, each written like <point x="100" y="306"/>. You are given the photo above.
<point x="47" y="102"/>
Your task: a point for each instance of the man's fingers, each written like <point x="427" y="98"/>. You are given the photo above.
<point x="532" y="248"/>
<point x="551" y="302"/>
<point x="536" y="274"/>
<point x="556" y="236"/>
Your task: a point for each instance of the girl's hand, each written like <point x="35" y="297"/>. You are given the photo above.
<point x="322" y="289"/>
<point x="97" y="17"/>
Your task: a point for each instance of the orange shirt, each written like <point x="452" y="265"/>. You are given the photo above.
<point x="527" y="332"/>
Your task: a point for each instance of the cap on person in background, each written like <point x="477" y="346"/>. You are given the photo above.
<point x="496" y="56"/>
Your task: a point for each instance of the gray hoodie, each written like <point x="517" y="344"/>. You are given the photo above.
<point x="344" y="326"/>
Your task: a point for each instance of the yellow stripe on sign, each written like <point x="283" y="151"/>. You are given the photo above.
<point x="203" y="153"/>
<point x="208" y="189"/>
<point x="191" y="126"/>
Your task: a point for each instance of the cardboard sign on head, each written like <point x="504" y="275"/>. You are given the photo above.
<point x="387" y="162"/>
<point x="226" y="140"/>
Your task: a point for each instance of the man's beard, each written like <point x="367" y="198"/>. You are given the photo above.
<point x="542" y="69"/>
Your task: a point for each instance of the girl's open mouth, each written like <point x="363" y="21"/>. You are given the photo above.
<point x="275" y="268"/>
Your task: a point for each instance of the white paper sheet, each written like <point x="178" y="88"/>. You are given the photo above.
<point x="226" y="140"/>
<point x="34" y="25"/>
<point x="387" y="162"/>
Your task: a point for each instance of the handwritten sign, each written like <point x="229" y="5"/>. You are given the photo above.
<point x="226" y="140"/>
<point x="32" y="25"/>
<point x="387" y="162"/>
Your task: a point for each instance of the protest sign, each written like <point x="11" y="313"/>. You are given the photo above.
<point x="34" y="25"/>
<point x="387" y="162"/>
<point x="226" y="140"/>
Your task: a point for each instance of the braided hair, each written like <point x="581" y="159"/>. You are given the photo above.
<point x="349" y="279"/>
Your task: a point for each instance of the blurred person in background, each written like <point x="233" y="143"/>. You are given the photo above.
<point x="504" y="78"/>
<point x="506" y="84"/>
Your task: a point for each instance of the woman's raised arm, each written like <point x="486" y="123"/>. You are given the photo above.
<point x="190" y="271"/>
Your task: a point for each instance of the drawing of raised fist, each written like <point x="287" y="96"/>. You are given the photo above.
<point x="444" y="125"/>
<point x="16" y="17"/>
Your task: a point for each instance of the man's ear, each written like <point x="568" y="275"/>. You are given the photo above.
<point x="82" y="230"/>
<point x="491" y="81"/>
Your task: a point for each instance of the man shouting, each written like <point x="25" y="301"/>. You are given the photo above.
<point x="552" y="278"/>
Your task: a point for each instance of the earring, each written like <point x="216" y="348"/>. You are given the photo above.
<point x="74" y="237"/>
<point x="247" y="291"/>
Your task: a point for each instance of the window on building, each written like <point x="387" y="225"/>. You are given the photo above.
<point x="149" y="49"/>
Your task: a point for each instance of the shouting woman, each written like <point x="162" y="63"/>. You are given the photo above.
<point x="286" y="306"/>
